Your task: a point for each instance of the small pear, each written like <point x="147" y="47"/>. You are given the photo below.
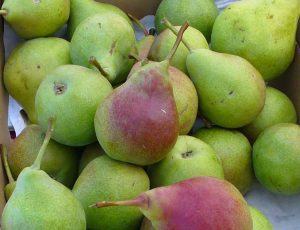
<point x="39" y="202"/>
<point x="261" y="31"/>
<point x="60" y="161"/>
<point x="110" y="40"/>
<point x="28" y="65"/>
<point x="201" y="201"/>
<point x="36" y="18"/>
<point x="110" y="179"/>
<point x="82" y="9"/>
<point x="10" y="187"/>
<point x="71" y="94"/>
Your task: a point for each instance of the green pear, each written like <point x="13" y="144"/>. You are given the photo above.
<point x="60" y="161"/>
<point x="109" y="40"/>
<point x="105" y="178"/>
<point x="39" y="202"/>
<point x="276" y="158"/>
<point x="261" y="31"/>
<point x="260" y="222"/>
<point x="28" y="65"/>
<point x="231" y="91"/>
<point x="189" y="158"/>
<point x="10" y="187"/>
<point x="278" y="108"/>
<point x="82" y="9"/>
<point x="201" y="14"/>
<point x="71" y="94"/>
<point x="90" y="152"/>
<point x="36" y="18"/>
<point x="235" y="152"/>
<point x="164" y="42"/>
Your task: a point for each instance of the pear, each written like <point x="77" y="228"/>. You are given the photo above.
<point x="28" y="65"/>
<point x="90" y="152"/>
<point x="60" y="161"/>
<point x="110" y="40"/>
<point x="235" y="152"/>
<point x="110" y="179"/>
<point x="276" y="158"/>
<point x="201" y="201"/>
<point x="36" y="18"/>
<point x="82" y="9"/>
<point x="260" y="221"/>
<point x="133" y="120"/>
<point x="278" y="108"/>
<point x="164" y="41"/>
<point x="261" y="31"/>
<point x="9" y="188"/>
<point x="39" y="202"/>
<point x="71" y="94"/>
<point x="189" y="158"/>
<point x="201" y="14"/>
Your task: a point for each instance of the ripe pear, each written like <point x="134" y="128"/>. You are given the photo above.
<point x="261" y="31"/>
<point x="10" y="187"/>
<point x="164" y="42"/>
<point x="39" y="202"/>
<point x="28" y="65"/>
<point x="260" y="222"/>
<point x="110" y="40"/>
<point x="36" y="18"/>
<point x="110" y="179"/>
<point x="71" y="94"/>
<point x="60" y="161"/>
<point x="90" y="152"/>
<point x="278" y="108"/>
<point x="201" y="14"/>
<point x="201" y="201"/>
<point x="235" y="152"/>
<point x="189" y="158"/>
<point x="185" y="96"/>
<point x="82" y="9"/>
<point x="276" y="158"/>
<point x="138" y="123"/>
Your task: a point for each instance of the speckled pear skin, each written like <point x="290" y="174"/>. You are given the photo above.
<point x="231" y="91"/>
<point x="165" y="40"/>
<point x="138" y="123"/>
<point x="110" y="40"/>
<point x="82" y="9"/>
<point x="29" y="64"/>
<point x="39" y="202"/>
<point x="36" y="18"/>
<point x="104" y="178"/>
<point x="261" y="31"/>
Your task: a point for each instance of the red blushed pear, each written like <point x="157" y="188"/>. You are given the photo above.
<point x="138" y="122"/>
<point x="198" y="203"/>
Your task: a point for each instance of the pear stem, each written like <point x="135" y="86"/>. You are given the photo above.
<point x="93" y="61"/>
<point x="178" y="41"/>
<point x="6" y="165"/>
<point x="141" y="25"/>
<point x="175" y="32"/>
<point x="38" y="160"/>
<point x="3" y="12"/>
<point x="141" y="202"/>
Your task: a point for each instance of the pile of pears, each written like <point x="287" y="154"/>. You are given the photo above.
<point x="166" y="132"/>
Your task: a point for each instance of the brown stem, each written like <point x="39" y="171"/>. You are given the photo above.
<point x="141" y="25"/>
<point x="141" y="202"/>
<point x="178" y="41"/>
<point x="93" y="61"/>
<point x="3" y="12"/>
<point x="38" y="160"/>
<point x="175" y="32"/>
<point x="6" y="165"/>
